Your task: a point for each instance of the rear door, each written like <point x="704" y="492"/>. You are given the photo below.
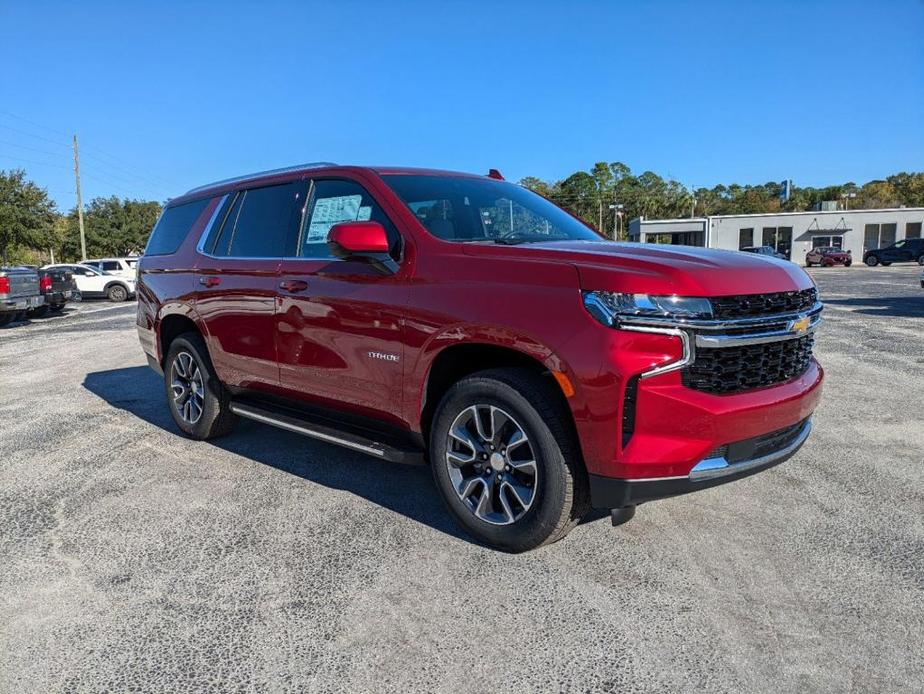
<point x="339" y="323"/>
<point x="237" y="276"/>
<point x="89" y="282"/>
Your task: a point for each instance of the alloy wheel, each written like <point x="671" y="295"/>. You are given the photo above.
<point x="187" y="387"/>
<point x="492" y="464"/>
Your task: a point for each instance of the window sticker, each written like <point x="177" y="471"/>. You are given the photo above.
<point x="330" y="211"/>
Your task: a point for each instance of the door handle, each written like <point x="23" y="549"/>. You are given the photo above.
<point x="210" y="281"/>
<point x="294" y="285"/>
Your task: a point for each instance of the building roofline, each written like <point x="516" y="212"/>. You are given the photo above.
<point x="781" y="213"/>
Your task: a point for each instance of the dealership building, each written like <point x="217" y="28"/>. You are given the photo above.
<point x="790" y="233"/>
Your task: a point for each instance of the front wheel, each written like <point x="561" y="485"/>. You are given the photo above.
<point x="199" y="403"/>
<point x="871" y="260"/>
<point x="505" y="462"/>
<point x="885" y="264"/>
<point x="921" y="259"/>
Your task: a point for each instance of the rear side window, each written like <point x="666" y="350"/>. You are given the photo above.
<point x="172" y="227"/>
<point x="111" y="265"/>
<point x="263" y="222"/>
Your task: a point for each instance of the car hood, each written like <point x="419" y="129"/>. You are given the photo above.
<point x="659" y="269"/>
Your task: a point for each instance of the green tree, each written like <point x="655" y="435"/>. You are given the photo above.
<point x="26" y="214"/>
<point x="112" y="226"/>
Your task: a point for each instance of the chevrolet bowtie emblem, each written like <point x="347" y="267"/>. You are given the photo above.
<point x="800" y="326"/>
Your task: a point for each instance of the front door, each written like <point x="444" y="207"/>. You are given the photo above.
<point x="339" y="323"/>
<point x="237" y="277"/>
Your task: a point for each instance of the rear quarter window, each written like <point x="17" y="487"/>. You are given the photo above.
<point x="173" y="226"/>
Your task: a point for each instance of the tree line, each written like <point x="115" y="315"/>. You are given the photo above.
<point x="596" y="195"/>
<point x="32" y="229"/>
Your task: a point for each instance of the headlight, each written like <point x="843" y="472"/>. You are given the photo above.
<point x="611" y="307"/>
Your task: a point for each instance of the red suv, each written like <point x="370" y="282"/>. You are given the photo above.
<point x="465" y="322"/>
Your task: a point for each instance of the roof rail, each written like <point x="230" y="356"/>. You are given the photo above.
<point x="260" y="174"/>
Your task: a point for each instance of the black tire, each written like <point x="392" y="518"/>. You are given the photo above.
<point x="848" y="263"/>
<point x="6" y="319"/>
<point x="871" y="260"/>
<point x="57" y="308"/>
<point x="561" y="491"/>
<point x="216" y="418"/>
<point x="116" y="293"/>
<point x="40" y="311"/>
<point x="921" y="259"/>
<point x="885" y="264"/>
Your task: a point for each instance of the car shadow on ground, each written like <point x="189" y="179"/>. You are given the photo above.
<point x="404" y="489"/>
<point x="895" y="306"/>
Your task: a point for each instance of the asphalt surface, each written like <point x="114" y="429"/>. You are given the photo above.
<point x="132" y="559"/>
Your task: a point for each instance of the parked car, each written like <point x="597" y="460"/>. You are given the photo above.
<point x="121" y="267"/>
<point x="428" y="316"/>
<point x="764" y="250"/>
<point x="91" y="283"/>
<point x="904" y="251"/>
<point x="57" y="286"/>
<point x="19" y="292"/>
<point x="828" y="256"/>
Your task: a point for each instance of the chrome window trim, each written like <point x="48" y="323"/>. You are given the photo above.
<point x="200" y="247"/>
<point x="688" y="351"/>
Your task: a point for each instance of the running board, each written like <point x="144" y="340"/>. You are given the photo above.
<point x="347" y="437"/>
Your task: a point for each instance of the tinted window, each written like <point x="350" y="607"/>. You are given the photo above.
<point x="457" y="208"/>
<point x="110" y="265"/>
<point x="172" y="227"/>
<point x="335" y="201"/>
<point x="263" y="222"/>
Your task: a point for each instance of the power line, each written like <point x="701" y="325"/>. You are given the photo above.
<point x="31" y="149"/>
<point x="93" y="154"/>
<point x="28" y="134"/>
<point x="32" y="161"/>
<point x="33" y="123"/>
<point x="112" y="156"/>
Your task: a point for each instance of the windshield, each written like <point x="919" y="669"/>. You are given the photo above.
<point x="473" y="209"/>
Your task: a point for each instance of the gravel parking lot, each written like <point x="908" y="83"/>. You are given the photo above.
<point x="132" y="559"/>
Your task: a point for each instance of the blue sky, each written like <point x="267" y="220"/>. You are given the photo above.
<point x="168" y="95"/>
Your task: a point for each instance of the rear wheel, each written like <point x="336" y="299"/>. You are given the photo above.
<point x="848" y="263"/>
<point x="40" y="311"/>
<point x="6" y="318"/>
<point x="507" y="466"/>
<point x="921" y="259"/>
<point x="116" y="293"/>
<point x="885" y="264"/>
<point x="199" y="403"/>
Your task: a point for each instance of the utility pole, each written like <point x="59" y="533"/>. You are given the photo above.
<point x="600" y="214"/>
<point x="617" y="213"/>
<point x="83" y="239"/>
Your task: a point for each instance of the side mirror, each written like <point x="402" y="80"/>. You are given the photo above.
<point x="363" y="241"/>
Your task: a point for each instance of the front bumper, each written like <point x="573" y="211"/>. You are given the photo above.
<point x="728" y="463"/>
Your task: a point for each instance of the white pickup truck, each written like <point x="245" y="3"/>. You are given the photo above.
<point x="19" y="292"/>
